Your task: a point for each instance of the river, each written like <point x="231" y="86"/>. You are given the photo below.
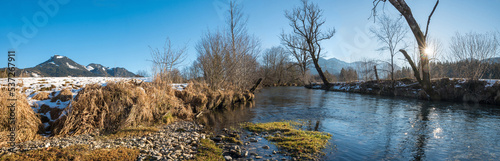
<point x="366" y="127"/>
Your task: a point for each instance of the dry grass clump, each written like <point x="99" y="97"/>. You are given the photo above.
<point x="27" y="122"/>
<point x="76" y="152"/>
<point x="41" y="96"/>
<point x="106" y="109"/>
<point x="64" y="95"/>
<point x="201" y="97"/>
<point x="161" y="97"/>
<point x="44" y="108"/>
<point x="194" y="96"/>
<point x="121" y="105"/>
<point x="55" y="113"/>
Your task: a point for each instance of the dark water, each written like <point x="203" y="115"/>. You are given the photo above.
<point x="366" y="127"/>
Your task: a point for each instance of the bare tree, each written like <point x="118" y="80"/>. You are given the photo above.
<point x="143" y="73"/>
<point x="211" y="60"/>
<point x="307" y="22"/>
<point x="275" y="64"/>
<point x="420" y="37"/>
<point x="243" y="48"/>
<point x="366" y="67"/>
<point x="229" y="57"/>
<point x="391" y="33"/>
<point x="166" y="59"/>
<point x="302" y="57"/>
<point x="472" y="50"/>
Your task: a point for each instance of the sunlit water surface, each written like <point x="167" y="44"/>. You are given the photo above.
<point x="366" y="127"/>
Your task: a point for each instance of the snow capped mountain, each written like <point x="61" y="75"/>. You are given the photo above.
<point x="61" y="66"/>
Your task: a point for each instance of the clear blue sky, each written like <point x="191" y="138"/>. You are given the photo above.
<point x="117" y="33"/>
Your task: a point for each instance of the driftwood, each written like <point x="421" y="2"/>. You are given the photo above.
<point x="252" y="90"/>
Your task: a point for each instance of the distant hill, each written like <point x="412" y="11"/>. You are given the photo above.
<point x="61" y="66"/>
<point x="493" y="60"/>
<point x="332" y="65"/>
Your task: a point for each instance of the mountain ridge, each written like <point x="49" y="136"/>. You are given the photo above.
<point x="62" y="66"/>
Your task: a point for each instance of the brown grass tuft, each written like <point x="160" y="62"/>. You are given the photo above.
<point x="108" y="109"/>
<point x="44" y="108"/>
<point x="26" y="120"/>
<point x="41" y="96"/>
<point x="64" y="95"/>
<point x="130" y="104"/>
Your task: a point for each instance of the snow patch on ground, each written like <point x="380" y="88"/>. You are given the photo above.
<point x="179" y="86"/>
<point x="59" y="57"/>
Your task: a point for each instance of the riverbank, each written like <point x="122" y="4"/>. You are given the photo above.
<point x="453" y="90"/>
<point x="175" y="141"/>
<point x="57" y="116"/>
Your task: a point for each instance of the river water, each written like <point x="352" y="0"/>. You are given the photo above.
<point x="366" y="127"/>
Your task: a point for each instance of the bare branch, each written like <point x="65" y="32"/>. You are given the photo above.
<point x="429" y="20"/>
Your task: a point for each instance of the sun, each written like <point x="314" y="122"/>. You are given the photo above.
<point x="428" y="51"/>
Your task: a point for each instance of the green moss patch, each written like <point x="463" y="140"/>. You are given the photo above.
<point x="300" y="143"/>
<point x="208" y="151"/>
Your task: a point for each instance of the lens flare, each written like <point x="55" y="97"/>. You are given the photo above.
<point x="428" y="51"/>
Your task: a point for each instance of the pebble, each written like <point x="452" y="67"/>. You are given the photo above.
<point x="165" y="144"/>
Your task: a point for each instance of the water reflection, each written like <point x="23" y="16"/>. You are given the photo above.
<point x="368" y="127"/>
<point x="216" y="120"/>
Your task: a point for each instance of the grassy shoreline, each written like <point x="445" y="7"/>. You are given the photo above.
<point x="286" y="135"/>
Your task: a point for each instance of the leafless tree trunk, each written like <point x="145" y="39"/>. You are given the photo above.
<point x="405" y="11"/>
<point x="166" y="59"/>
<point x="471" y="50"/>
<point x="391" y="33"/>
<point x="306" y="22"/>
